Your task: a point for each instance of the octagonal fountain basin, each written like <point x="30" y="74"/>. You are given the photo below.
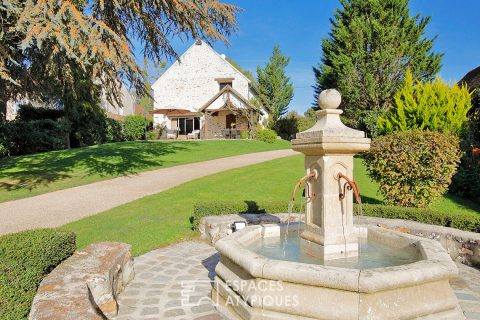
<point x="262" y="274"/>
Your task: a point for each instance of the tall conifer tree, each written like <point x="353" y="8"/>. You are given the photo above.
<point x="275" y="90"/>
<point x="371" y="45"/>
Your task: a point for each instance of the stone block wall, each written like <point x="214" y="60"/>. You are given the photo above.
<point x="215" y="124"/>
<point x="86" y="285"/>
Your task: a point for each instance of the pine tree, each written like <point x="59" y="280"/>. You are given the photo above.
<point x="44" y="42"/>
<point x="275" y="90"/>
<point x="371" y="45"/>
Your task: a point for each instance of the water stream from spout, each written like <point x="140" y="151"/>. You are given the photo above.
<point x="285" y="238"/>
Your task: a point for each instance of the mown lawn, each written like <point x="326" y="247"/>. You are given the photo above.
<point x="162" y="219"/>
<point x="31" y="175"/>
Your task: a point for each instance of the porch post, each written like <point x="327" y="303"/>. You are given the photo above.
<point x="205" y="125"/>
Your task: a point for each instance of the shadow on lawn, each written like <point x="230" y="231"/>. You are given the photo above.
<point x="116" y="159"/>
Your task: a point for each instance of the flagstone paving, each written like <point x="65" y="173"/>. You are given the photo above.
<point x="175" y="283"/>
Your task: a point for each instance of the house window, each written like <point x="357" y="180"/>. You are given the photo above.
<point x="224" y="84"/>
<point x="188" y="125"/>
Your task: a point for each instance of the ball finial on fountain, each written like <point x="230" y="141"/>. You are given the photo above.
<point x="329" y="99"/>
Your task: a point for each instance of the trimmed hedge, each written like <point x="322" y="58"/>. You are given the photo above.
<point x="220" y="208"/>
<point x="429" y="216"/>
<point x="25" y="259"/>
<point x="454" y="220"/>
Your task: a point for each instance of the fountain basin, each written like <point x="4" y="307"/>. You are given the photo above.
<point x="251" y="286"/>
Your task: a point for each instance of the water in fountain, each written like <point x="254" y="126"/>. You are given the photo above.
<point x="371" y="254"/>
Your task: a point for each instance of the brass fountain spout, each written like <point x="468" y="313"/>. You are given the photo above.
<point x="313" y="174"/>
<point x="350" y="185"/>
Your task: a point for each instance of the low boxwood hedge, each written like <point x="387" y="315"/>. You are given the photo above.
<point x="429" y="216"/>
<point x="219" y="208"/>
<point x="25" y="259"/>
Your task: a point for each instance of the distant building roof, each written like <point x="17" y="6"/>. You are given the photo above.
<point x="472" y="79"/>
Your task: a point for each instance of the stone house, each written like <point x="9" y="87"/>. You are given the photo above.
<point x="202" y="93"/>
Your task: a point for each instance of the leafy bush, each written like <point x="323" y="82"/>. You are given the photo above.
<point x="113" y="131"/>
<point x="244" y="134"/>
<point x="25" y="259"/>
<point x="26" y="137"/>
<point x="431" y="106"/>
<point x="133" y="127"/>
<point x="413" y="168"/>
<point x="267" y="135"/>
<point x="287" y="127"/>
<point x="429" y="216"/>
<point x="219" y="208"/>
<point x="153" y="135"/>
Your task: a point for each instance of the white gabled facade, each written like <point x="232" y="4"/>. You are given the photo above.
<point x="192" y="81"/>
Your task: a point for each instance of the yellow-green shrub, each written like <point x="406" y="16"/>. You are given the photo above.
<point x="413" y="168"/>
<point x="267" y="135"/>
<point x="433" y="106"/>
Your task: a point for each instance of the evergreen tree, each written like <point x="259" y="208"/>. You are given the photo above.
<point x="371" y="45"/>
<point x="275" y="90"/>
<point x="428" y="106"/>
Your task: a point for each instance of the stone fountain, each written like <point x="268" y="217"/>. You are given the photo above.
<point x="328" y="268"/>
<point x="329" y="147"/>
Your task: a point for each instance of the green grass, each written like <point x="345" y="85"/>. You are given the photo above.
<point x="162" y="219"/>
<point x="31" y="175"/>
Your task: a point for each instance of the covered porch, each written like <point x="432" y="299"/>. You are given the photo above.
<point x="227" y="115"/>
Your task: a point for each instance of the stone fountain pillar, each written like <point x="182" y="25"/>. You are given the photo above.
<point x="329" y="147"/>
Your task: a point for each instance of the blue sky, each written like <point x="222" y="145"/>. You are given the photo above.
<point x="299" y="26"/>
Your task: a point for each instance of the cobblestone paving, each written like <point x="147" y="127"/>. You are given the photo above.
<point x="467" y="290"/>
<point x="175" y="283"/>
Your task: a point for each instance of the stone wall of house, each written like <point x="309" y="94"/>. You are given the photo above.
<point x="215" y="124"/>
<point x="189" y="84"/>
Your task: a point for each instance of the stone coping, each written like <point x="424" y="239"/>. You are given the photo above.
<point x="435" y="263"/>
<point x="86" y="285"/>
<point x="462" y="246"/>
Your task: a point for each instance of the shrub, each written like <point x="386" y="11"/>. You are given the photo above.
<point x="134" y="127"/>
<point x="153" y="135"/>
<point x="267" y="135"/>
<point x="429" y="216"/>
<point x="413" y="168"/>
<point x="219" y="208"/>
<point x="113" y="131"/>
<point x="25" y="258"/>
<point x="428" y="106"/>
<point x="244" y="134"/>
<point x="26" y="137"/>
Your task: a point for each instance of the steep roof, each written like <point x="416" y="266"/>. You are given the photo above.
<point x="202" y="43"/>
<point x="472" y="79"/>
